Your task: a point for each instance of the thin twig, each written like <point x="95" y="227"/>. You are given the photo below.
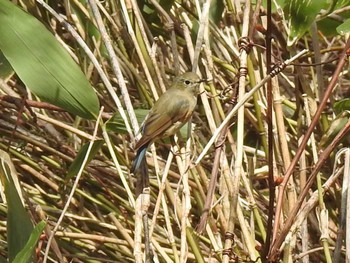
<point x="305" y="140"/>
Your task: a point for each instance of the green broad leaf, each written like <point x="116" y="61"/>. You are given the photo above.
<point x="5" y="68"/>
<point x="78" y="161"/>
<point x="26" y="254"/>
<point x="279" y="4"/>
<point x="328" y="26"/>
<point x="335" y="127"/>
<point x="216" y="10"/>
<point x="116" y="123"/>
<point x="301" y="14"/>
<point x="344" y="28"/>
<point x="184" y="130"/>
<point x="342" y="3"/>
<point x="342" y="105"/>
<point x="331" y="26"/>
<point x="43" y="64"/>
<point x="19" y="225"/>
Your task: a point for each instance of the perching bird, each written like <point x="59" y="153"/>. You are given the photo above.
<point x="170" y="112"/>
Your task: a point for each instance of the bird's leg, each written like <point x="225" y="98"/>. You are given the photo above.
<point x="175" y="142"/>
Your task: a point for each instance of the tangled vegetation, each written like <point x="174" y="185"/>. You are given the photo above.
<point x="263" y="175"/>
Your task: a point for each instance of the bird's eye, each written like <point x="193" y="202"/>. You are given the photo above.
<point x="187" y="82"/>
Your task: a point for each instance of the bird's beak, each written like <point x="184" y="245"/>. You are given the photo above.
<point x="202" y="80"/>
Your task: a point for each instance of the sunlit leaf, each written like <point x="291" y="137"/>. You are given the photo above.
<point x="43" y="64"/>
<point x="344" y="28"/>
<point x="335" y="127"/>
<point x="342" y="3"/>
<point x="301" y="14"/>
<point x="342" y="105"/>
<point x="116" y="123"/>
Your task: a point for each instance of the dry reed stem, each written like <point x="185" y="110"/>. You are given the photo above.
<point x="100" y="224"/>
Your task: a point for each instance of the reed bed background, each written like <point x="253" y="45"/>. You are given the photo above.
<point x="140" y="47"/>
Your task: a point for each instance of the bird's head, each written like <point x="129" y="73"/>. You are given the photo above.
<point x="189" y="81"/>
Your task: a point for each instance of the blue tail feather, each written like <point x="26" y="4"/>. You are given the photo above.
<point x="140" y="156"/>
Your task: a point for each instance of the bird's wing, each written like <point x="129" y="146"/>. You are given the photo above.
<point x="159" y="122"/>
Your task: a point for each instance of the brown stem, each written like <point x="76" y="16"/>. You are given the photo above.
<point x="274" y="253"/>
<point x="301" y="148"/>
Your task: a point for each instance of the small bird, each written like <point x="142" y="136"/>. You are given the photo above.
<point x="170" y="112"/>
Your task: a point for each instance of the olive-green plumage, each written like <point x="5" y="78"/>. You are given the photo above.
<point x="170" y="112"/>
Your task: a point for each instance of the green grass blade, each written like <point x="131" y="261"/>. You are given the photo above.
<point x="19" y="224"/>
<point x="26" y="254"/>
<point x="79" y="159"/>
